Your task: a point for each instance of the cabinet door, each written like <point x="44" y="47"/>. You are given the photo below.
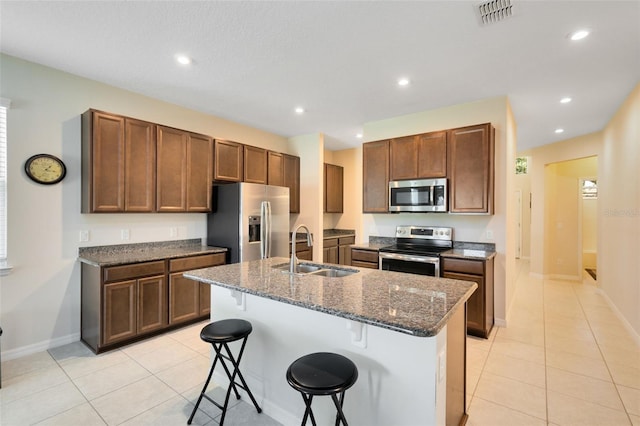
<point x="228" y="160"/>
<point x="140" y="166"/>
<point x="205" y="299"/>
<point x="119" y="311"/>
<point x="330" y="254"/>
<point x="275" y="169"/>
<point x="475" y="304"/>
<point x="171" y="170"/>
<point x="103" y="153"/>
<point x="292" y="181"/>
<point x="199" y="173"/>
<point x="152" y="304"/>
<point x="184" y="299"/>
<point x="333" y="188"/>
<point x="403" y="158"/>
<point x="432" y="155"/>
<point x="375" y="179"/>
<point x="255" y="164"/>
<point x="471" y="169"/>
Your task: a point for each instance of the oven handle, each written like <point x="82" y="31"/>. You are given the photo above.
<point x="409" y="258"/>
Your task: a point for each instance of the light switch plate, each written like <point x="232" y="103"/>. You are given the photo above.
<point x="84" y="236"/>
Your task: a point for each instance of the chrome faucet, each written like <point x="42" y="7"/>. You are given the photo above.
<point x="293" y="264"/>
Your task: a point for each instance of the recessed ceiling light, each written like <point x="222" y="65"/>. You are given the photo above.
<point x="565" y="100"/>
<point x="403" y="82"/>
<point x="183" y="59"/>
<point x="299" y="110"/>
<point x="559" y="130"/>
<point x="578" y="35"/>
<point x="359" y="136"/>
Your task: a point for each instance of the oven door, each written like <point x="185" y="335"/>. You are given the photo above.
<point x="412" y="264"/>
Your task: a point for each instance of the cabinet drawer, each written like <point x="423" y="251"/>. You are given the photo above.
<point x="135" y="270"/>
<point x="364" y="256"/>
<point x="196" y="262"/>
<point x="346" y="240"/>
<point x="300" y="246"/>
<point x="360" y="264"/>
<point x="330" y="242"/>
<point x="465" y="266"/>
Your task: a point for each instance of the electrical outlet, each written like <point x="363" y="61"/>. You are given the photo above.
<point x="124" y="234"/>
<point x="489" y="234"/>
<point x="84" y="236"/>
<point x="173" y="231"/>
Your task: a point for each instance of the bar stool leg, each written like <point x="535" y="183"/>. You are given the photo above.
<point x="236" y="366"/>
<point x="308" y="412"/>
<point x="206" y="384"/>
<point x="338" y="404"/>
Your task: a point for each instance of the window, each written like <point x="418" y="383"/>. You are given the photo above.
<point x="589" y="189"/>
<point x="522" y="165"/>
<point x="4" y="106"/>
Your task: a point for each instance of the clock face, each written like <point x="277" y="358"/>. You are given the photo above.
<point x="45" y="169"/>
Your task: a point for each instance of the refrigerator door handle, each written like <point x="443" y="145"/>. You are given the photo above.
<point x="265" y="230"/>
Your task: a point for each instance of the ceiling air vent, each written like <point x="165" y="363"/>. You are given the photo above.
<point x="494" y="11"/>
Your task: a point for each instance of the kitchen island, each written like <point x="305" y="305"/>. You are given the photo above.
<point x="405" y="333"/>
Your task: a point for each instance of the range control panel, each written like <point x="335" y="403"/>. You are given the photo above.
<point x="424" y="232"/>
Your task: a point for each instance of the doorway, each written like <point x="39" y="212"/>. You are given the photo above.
<point x="588" y="187"/>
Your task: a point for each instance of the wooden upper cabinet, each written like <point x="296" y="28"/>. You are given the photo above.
<point x="199" y="172"/>
<point x="118" y="164"/>
<point x="375" y="179"/>
<point x="333" y="188"/>
<point x="103" y="162"/>
<point x="275" y="168"/>
<point x="471" y="169"/>
<point x="432" y="155"/>
<point x="403" y="158"/>
<point x="172" y="170"/>
<point x="255" y="164"/>
<point x="292" y="181"/>
<point x="184" y="168"/>
<point x="419" y="156"/>
<point x="228" y="160"/>
<point x="140" y="166"/>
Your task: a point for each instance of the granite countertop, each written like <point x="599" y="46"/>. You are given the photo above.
<point x="469" y="254"/>
<point x="337" y="233"/>
<point x="369" y="246"/>
<point x="413" y="304"/>
<point x="144" y="252"/>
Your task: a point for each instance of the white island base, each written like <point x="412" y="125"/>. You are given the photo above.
<point x="402" y="379"/>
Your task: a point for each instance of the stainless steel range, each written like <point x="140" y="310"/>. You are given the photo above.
<point x="417" y="250"/>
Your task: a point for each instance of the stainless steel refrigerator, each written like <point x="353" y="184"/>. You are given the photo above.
<point x="251" y="220"/>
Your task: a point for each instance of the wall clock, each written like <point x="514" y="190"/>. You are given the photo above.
<point x="45" y="169"/>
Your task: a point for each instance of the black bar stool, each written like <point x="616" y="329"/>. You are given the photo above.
<point x="322" y="373"/>
<point x="219" y="334"/>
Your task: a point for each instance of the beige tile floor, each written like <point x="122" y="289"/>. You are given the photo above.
<point x="565" y="359"/>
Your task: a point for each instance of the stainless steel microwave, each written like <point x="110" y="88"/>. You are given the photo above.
<point x="421" y="195"/>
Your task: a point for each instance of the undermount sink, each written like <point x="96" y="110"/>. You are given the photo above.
<point x="335" y="273"/>
<point x="312" y="269"/>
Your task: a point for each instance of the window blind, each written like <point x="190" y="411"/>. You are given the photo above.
<point x="4" y="105"/>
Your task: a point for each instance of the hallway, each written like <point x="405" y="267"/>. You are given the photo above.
<point x="565" y="359"/>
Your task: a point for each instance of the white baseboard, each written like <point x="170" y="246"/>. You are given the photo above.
<point x="634" y="334"/>
<point x="39" y="347"/>
<point x="536" y="275"/>
<point x="499" y="322"/>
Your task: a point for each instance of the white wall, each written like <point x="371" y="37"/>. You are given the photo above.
<point x="619" y="210"/>
<point x="466" y="227"/>
<point x="40" y="299"/>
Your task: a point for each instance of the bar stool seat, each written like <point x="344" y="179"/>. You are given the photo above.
<point x="322" y="373"/>
<point x="219" y="334"/>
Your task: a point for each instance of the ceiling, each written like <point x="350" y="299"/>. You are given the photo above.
<point x="254" y="62"/>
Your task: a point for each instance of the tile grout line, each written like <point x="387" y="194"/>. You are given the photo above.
<point x="606" y="363"/>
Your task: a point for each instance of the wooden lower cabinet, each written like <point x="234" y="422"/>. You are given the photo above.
<point x="188" y="299"/>
<point x="337" y="250"/>
<point x="364" y="258"/>
<point x="124" y="303"/>
<point x="303" y="251"/>
<point x="480" y="316"/>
